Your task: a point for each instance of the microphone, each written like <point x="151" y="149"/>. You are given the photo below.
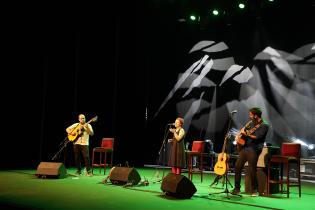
<point x="171" y="124"/>
<point x="234" y="111"/>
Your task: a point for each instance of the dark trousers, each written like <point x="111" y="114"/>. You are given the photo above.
<point x="251" y="155"/>
<point x="81" y="151"/>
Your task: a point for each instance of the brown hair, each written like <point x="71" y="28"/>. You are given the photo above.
<point x="181" y="120"/>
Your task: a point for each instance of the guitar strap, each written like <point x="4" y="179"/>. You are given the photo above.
<point x="255" y="128"/>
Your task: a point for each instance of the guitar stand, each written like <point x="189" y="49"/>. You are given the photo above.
<point x="226" y="181"/>
<point x="217" y="178"/>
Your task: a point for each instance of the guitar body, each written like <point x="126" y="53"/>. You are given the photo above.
<point x="221" y="167"/>
<point x="240" y="141"/>
<point x="75" y="134"/>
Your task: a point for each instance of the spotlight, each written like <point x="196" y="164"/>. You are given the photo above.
<point x="310" y="146"/>
<point x="241" y="5"/>
<point x="192" y="17"/>
<point x="215" y="12"/>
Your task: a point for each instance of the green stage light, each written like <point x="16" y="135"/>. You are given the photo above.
<point x="241" y="5"/>
<point x="215" y="12"/>
<point x="192" y="17"/>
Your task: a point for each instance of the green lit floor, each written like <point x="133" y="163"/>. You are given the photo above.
<point x="21" y="189"/>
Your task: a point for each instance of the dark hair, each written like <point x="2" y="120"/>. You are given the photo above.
<point x="256" y="111"/>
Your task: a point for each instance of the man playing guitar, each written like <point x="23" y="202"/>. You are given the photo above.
<point x="80" y="133"/>
<point x="250" y="143"/>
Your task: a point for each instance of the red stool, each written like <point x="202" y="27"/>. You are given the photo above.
<point x="196" y="151"/>
<point x="290" y="154"/>
<point x="107" y="147"/>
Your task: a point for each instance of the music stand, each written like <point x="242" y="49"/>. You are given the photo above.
<point x="226" y="180"/>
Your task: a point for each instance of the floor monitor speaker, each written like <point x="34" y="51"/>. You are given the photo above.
<point x="124" y="175"/>
<point x="51" y="170"/>
<point x="178" y="186"/>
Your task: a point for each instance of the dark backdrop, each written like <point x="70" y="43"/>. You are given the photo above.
<point x="116" y="61"/>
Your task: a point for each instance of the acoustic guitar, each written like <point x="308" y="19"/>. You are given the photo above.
<point x="240" y="141"/>
<point x="77" y="131"/>
<point x="241" y="138"/>
<point x="222" y="167"/>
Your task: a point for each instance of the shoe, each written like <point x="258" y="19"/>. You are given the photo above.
<point x="89" y="174"/>
<point x="236" y="192"/>
<point x="254" y="194"/>
<point x="78" y="173"/>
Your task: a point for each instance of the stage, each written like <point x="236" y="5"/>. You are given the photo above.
<point x="22" y="189"/>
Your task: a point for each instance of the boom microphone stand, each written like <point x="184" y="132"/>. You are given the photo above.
<point x="63" y="145"/>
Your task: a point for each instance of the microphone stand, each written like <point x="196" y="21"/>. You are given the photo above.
<point x="166" y="132"/>
<point x="226" y="180"/>
<point x="64" y="144"/>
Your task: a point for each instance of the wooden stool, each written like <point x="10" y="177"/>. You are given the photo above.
<point x="196" y="151"/>
<point x="107" y="147"/>
<point x="290" y="153"/>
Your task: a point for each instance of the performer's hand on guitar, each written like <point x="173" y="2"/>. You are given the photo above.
<point x="83" y="127"/>
<point x="71" y="134"/>
<point x="248" y="133"/>
<point x="243" y="132"/>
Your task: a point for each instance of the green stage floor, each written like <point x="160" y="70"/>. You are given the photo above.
<point x="21" y="189"/>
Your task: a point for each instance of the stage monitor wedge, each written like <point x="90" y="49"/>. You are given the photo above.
<point x="51" y="170"/>
<point x="124" y="175"/>
<point x="178" y="186"/>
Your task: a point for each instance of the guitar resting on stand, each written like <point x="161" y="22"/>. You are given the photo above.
<point x="221" y="168"/>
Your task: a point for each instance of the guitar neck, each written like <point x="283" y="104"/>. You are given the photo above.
<point x="92" y="120"/>
<point x="224" y="144"/>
